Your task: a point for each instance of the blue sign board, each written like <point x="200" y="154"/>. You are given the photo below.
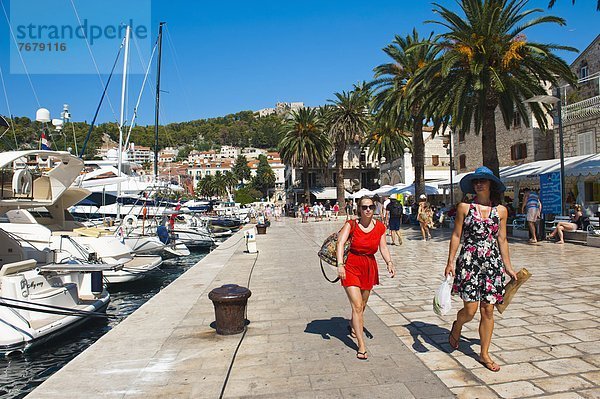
<point x="550" y="193"/>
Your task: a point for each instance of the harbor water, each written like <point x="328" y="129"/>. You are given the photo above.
<point x="21" y="374"/>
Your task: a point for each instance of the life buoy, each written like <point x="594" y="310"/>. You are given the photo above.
<point x="130" y="221"/>
<point x="22" y="181"/>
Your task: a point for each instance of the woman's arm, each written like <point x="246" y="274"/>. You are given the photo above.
<point x="385" y="253"/>
<point x="503" y="242"/>
<point x="339" y="251"/>
<point x="461" y="212"/>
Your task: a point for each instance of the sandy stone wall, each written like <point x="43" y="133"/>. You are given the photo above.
<point x="573" y="129"/>
<point x="539" y="145"/>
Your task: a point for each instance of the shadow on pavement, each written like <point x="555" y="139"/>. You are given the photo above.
<point x="336" y="327"/>
<point x="417" y="331"/>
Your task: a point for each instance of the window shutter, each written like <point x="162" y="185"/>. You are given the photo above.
<point x="585" y="143"/>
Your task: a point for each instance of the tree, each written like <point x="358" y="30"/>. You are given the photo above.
<point x="219" y="185"/>
<point x="347" y="123"/>
<point x="240" y="169"/>
<point x="551" y="4"/>
<point x="265" y="177"/>
<point x="386" y="141"/>
<point x="246" y="195"/>
<point x="487" y="62"/>
<point x="205" y="186"/>
<point x="304" y="144"/>
<point x="399" y="108"/>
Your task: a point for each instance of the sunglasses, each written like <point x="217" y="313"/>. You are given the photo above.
<point x="365" y="207"/>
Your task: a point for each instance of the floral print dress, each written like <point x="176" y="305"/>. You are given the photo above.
<point x="479" y="267"/>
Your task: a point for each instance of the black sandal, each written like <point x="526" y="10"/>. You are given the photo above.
<point x="351" y="332"/>
<point x="361" y="355"/>
<point x="451" y="337"/>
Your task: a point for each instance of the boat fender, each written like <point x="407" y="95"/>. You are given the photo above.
<point x="130" y="221"/>
<point x="97" y="286"/>
<point x="163" y="234"/>
<point x="22" y="181"/>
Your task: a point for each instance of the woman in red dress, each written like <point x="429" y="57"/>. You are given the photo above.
<point x="360" y="272"/>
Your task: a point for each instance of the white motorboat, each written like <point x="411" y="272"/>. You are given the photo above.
<point x="52" y="226"/>
<point x="81" y="244"/>
<point x="40" y="297"/>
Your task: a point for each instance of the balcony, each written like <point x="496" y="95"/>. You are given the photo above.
<point x="582" y="109"/>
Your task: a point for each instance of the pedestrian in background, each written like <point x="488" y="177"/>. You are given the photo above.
<point x="532" y="207"/>
<point x="483" y="259"/>
<point x="424" y="216"/>
<point x="336" y="210"/>
<point x="394" y="213"/>
<point x="348" y="209"/>
<point x="360" y="272"/>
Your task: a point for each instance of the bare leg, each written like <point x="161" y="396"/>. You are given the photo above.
<point x="393" y="234"/>
<point x="532" y="231"/>
<point x="560" y="229"/>
<point x="463" y="316"/>
<point x="423" y="230"/>
<point x="486" y="328"/>
<point x="358" y="303"/>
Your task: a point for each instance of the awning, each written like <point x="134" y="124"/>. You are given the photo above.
<point x="410" y="190"/>
<point x="361" y="193"/>
<point x="582" y="165"/>
<point x="323" y="193"/>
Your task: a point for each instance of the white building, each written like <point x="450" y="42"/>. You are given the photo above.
<point x="280" y="108"/>
<point x="437" y="162"/>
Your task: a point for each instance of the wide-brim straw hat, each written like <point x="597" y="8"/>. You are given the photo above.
<point x="482" y="172"/>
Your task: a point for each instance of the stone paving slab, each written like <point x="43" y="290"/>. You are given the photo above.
<point x="547" y="341"/>
<point x="296" y="345"/>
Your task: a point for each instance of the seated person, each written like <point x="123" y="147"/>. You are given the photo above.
<point x="576" y="223"/>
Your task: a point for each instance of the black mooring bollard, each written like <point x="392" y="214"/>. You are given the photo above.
<point x="230" y="307"/>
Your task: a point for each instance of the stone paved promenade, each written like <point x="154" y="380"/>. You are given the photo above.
<point x="547" y="341"/>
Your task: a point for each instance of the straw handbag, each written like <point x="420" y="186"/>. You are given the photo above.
<point x="512" y="287"/>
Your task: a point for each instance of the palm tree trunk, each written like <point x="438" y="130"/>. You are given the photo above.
<point x="418" y="156"/>
<point x="339" y="168"/>
<point x="488" y="139"/>
<point x="306" y="184"/>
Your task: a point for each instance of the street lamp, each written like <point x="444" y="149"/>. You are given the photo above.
<point x="449" y="151"/>
<point x="548" y="99"/>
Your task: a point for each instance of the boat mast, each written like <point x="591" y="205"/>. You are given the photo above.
<point x="122" y="119"/>
<point x="160" y="26"/>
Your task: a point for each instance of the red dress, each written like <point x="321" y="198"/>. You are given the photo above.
<point x="361" y="266"/>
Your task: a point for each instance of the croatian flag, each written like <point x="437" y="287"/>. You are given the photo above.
<point x="45" y="144"/>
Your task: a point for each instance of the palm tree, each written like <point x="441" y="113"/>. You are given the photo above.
<point x="230" y="181"/>
<point x="347" y="123"/>
<point x="206" y="186"/>
<point x="487" y="63"/>
<point x="551" y="4"/>
<point x="304" y="144"/>
<point x="399" y="106"/>
<point x="385" y="141"/>
<point x="219" y="184"/>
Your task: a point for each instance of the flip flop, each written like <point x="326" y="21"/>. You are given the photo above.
<point x="490" y="365"/>
<point x="361" y="355"/>
<point x="451" y="337"/>
<point x="351" y="332"/>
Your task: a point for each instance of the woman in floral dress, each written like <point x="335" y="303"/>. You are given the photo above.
<point x="483" y="259"/>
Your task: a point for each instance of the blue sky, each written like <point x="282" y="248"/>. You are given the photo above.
<point x="223" y="57"/>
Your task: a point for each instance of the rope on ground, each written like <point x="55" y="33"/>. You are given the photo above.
<point x="241" y="338"/>
<point x="220" y="248"/>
